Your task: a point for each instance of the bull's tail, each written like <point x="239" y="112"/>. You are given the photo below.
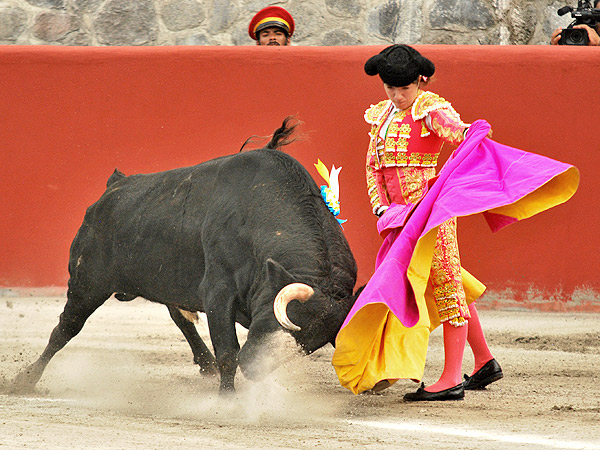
<point x="248" y="141"/>
<point x="116" y="176"/>
<point x="282" y="135"/>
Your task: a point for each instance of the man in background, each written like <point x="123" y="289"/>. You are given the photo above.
<point x="593" y="33"/>
<point x="272" y="25"/>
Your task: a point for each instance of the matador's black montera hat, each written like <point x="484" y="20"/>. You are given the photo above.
<point x="399" y="65"/>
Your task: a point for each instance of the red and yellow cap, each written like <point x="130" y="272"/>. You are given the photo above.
<point x="271" y="16"/>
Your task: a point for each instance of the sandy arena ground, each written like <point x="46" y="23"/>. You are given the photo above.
<point x="127" y="382"/>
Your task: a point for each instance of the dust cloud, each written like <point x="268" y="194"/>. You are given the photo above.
<point x="119" y="381"/>
<point x="128" y="381"/>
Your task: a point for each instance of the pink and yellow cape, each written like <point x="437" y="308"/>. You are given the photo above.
<point x="386" y="334"/>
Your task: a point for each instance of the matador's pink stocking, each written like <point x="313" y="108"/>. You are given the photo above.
<point x="455" y="339"/>
<point x="477" y="341"/>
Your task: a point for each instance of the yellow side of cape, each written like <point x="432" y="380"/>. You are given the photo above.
<point x="376" y="346"/>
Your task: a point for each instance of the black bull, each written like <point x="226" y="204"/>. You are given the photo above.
<point x="237" y="237"/>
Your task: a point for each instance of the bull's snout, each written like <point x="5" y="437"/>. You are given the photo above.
<point x="258" y="359"/>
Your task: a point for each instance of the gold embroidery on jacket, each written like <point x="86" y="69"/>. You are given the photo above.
<point x="448" y="133"/>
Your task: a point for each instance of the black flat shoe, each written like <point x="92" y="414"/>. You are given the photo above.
<point x="489" y="373"/>
<point x="379" y="386"/>
<point x="454" y="393"/>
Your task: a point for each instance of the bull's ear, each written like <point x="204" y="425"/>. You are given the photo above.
<point x="277" y="275"/>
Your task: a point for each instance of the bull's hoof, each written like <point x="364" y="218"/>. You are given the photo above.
<point x="23" y="383"/>
<point x="210" y="371"/>
<point x="226" y="388"/>
<point x="228" y="393"/>
<point x="207" y="365"/>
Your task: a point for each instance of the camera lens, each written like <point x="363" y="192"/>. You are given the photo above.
<point x="577" y="36"/>
<point x="573" y="36"/>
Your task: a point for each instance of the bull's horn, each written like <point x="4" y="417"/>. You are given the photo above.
<point x="294" y="291"/>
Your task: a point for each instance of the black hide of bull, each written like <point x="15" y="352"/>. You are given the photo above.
<point x="223" y="237"/>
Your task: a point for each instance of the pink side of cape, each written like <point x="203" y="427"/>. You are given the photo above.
<point x="480" y="175"/>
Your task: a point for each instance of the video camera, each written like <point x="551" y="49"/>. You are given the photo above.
<point x="584" y="14"/>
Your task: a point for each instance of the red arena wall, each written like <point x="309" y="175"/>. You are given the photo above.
<point x="71" y="115"/>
